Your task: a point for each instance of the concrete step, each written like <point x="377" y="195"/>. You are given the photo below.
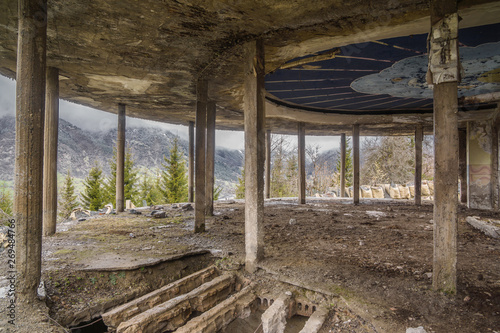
<point x="174" y="313"/>
<point x="218" y="317"/>
<point x="125" y="312"/>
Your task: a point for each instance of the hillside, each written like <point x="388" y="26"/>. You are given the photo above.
<point x="78" y="149"/>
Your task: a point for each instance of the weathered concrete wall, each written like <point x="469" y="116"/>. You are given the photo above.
<point x="479" y="149"/>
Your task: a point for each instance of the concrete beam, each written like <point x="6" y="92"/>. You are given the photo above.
<point x="268" y="165"/>
<point x="301" y="149"/>
<point x="210" y="159"/>
<point x="419" y="136"/>
<point x="191" y="163"/>
<point x="342" y="165"/>
<point x="50" y="152"/>
<point x="254" y="112"/>
<point x="355" y="161"/>
<point x="201" y="127"/>
<point x="30" y="109"/>
<point x="120" y="160"/>
<point x="274" y="318"/>
<point x="444" y="72"/>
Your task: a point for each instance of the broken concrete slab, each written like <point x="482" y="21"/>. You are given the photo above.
<point x="217" y="318"/>
<point x="175" y="312"/>
<point x="274" y="318"/>
<point x="489" y="228"/>
<point x="128" y="310"/>
<point x="315" y="321"/>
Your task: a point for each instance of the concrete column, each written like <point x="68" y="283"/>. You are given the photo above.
<point x="419" y="137"/>
<point x="342" y="165"/>
<point x="191" y="163"/>
<point x="355" y="161"/>
<point x="201" y="127"/>
<point x="50" y="152"/>
<point x="210" y="159"/>
<point x="120" y="160"/>
<point x="445" y="142"/>
<point x="494" y="166"/>
<point x="254" y="113"/>
<point x="302" y="163"/>
<point x="462" y="163"/>
<point x="30" y="109"/>
<point x="268" y="164"/>
<point x="480" y="164"/>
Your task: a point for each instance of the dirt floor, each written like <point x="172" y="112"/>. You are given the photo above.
<point x="376" y="258"/>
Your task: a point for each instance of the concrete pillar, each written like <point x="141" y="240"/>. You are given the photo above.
<point x="480" y="164"/>
<point x="30" y="106"/>
<point x="210" y="159"/>
<point x="120" y="160"/>
<point x="419" y="137"/>
<point x="50" y="152"/>
<point x="494" y="166"/>
<point x="268" y="164"/>
<point x="302" y="163"/>
<point x="355" y="161"/>
<point x="201" y="127"/>
<point x="443" y="70"/>
<point x="254" y="113"/>
<point x="342" y="165"/>
<point x="462" y="163"/>
<point x="191" y="163"/>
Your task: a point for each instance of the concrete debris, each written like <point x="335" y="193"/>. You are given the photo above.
<point x="315" y="321"/>
<point x="292" y="222"/>
<point x="131" y="235"/>
<point x="158" y="214"/>
<point x="375" y="213"/>
<point x="134" y="212"/>
<point x="487" y="227"/>
<point x="419" y="329"/>
<point x="274" y="318"/>
<point x="41" y="292"/>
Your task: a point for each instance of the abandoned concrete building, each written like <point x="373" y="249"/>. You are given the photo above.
<point x="396" y="67"/>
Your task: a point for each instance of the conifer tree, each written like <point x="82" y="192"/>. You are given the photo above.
<point x="129" y="183"/>
<point x="150" y="189"/>
<point x="174" y="177"/>
<point x="68" y="200"/>
<point x="348" y="163"/>
<point x="240" y="188"/>
<point x="93" y="196"/>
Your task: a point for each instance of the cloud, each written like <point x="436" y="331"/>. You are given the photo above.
<point x="406" y="78"/>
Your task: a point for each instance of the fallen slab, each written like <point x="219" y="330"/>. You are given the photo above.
<point x="174" y="313"/>
<point x="315" y="321"/>
<point x="487" y="227"/>
<point x="218" y="317"/>
<point x="128" y="310"/>
<point x="274" y="318"/>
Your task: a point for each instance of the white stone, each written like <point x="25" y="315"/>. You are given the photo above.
<point x="419" y="329"/>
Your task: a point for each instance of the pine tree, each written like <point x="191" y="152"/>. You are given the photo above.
<point x="93" y="193"/>
<point x="149" y="190"/>
<point x="174" y="177"/>
<point x="130" y="179"/>
<point x="348" y="163"/>
<point x="240" y="188"/>
<point x="68" y="200"/>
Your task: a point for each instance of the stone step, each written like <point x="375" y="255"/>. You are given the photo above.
<point x="125" y="312"/>
<point x="218" y="317"/>
<point x="175" y="312"/>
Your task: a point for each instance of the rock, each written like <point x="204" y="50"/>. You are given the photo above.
<point x="428" y="275"/>
<point x="131" y="235"/>
<point x="467" y="299"/>
<point x="134" y="212"/>
<point x="82" y="219"/>
<point x="175" y="206"/>
<point x="187" y="207"/>
<point x="41" y="293"/>
<point x="419" y="329"/>
<point x="292" y="222"/>
<point x="159" y="214"/>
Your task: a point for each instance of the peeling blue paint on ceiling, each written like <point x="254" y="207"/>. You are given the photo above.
<point x="387" y="74"/>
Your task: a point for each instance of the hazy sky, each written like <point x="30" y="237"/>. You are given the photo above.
<point x="85" y="118"/>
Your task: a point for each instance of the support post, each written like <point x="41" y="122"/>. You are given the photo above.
<point x="254" y="113"/>
<point x="443" y="67"/>
<point x="50" y="152"/>
<point x="462" y="163"/>
<point x="191" y="163"/>
<point x="494" y="166"/>
<point x="355" y="161"/>
<point x="201" y="127"/>
<point x="210" y="158"/>
<point x="30" y="109"/>
<point x="268" y="164"/>
<point x="419" y="137"/>
<point x="342" y="165"/>
<point x="120" y="160"/>
<point x="302" y="163"/>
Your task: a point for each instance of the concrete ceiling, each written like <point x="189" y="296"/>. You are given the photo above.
<point x="148" y="54"/>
